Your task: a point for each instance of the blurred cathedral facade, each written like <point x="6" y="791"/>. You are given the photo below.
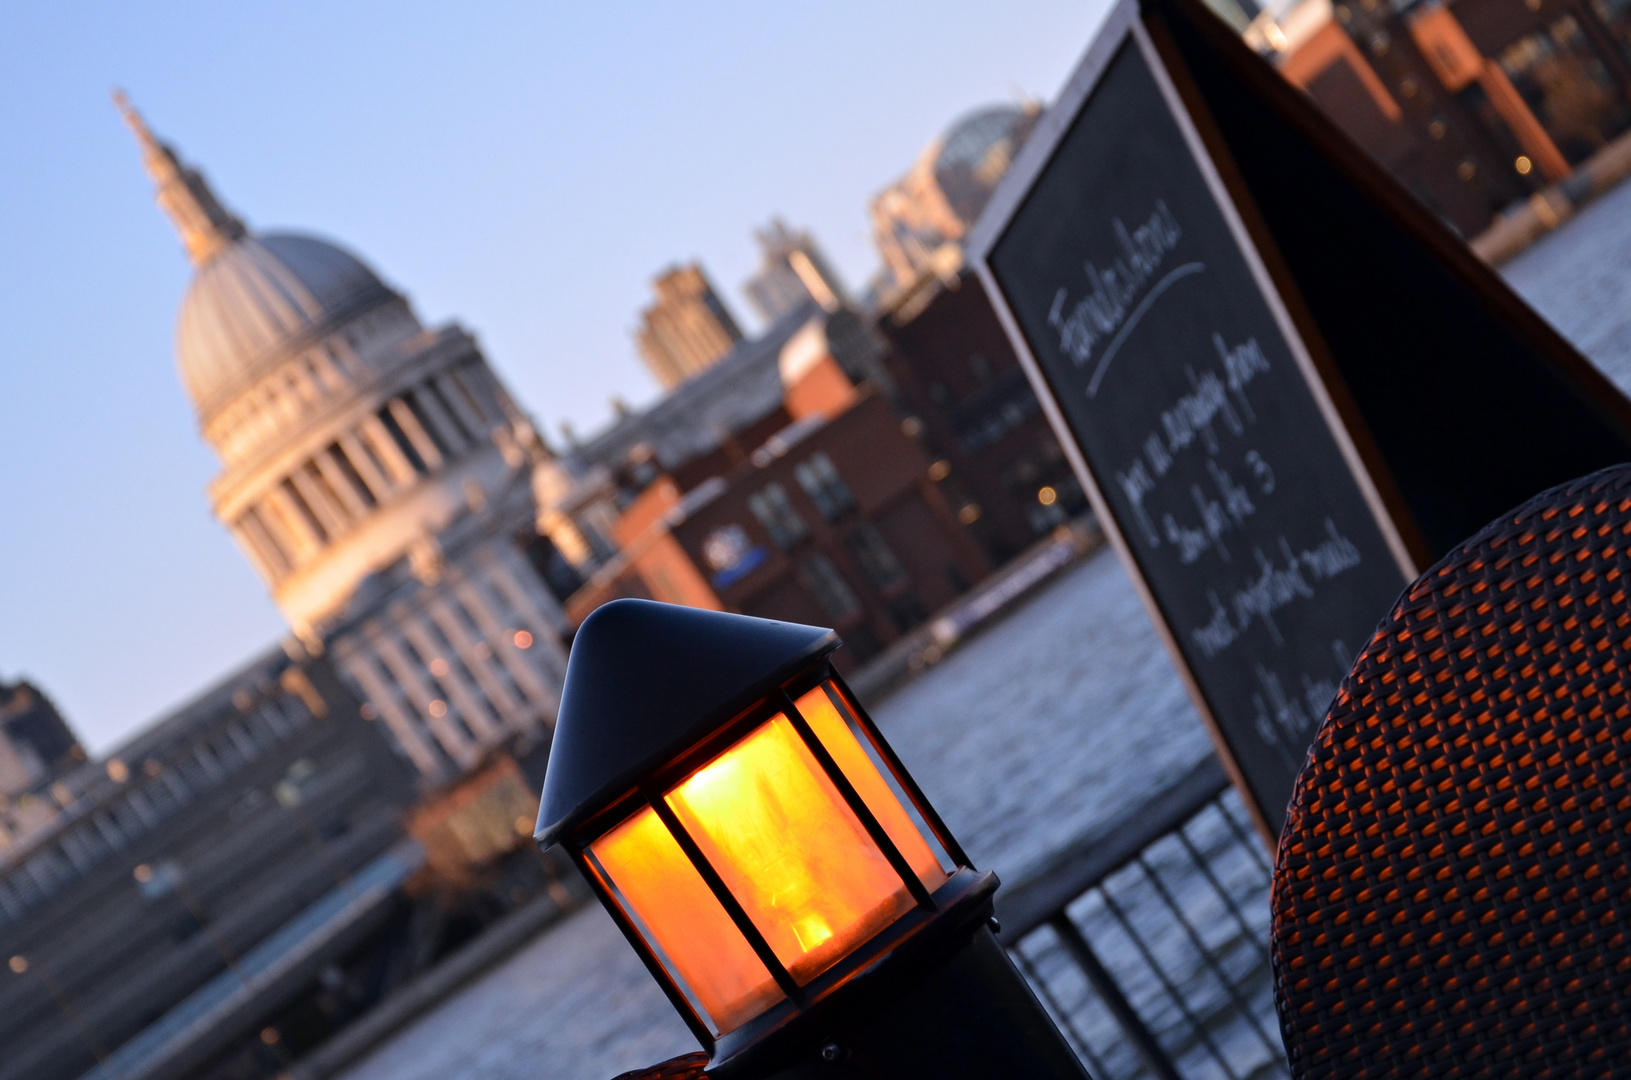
<point x="376" y="474"/>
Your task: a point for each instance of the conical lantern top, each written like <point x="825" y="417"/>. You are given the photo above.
<point x="645" y="681"/>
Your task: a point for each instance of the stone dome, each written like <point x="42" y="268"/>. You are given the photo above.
<point x="257" y="298"/>
<point x="976" y="152"/>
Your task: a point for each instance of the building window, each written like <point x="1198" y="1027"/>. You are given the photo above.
<point x="820" y="480"/>
<point x="822" y="578"/>
<point x="877" y="562"/>
<point x="907" y="611"/>
<point x="777" y="515"/>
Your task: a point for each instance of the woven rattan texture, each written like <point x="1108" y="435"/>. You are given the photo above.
<point x="685" y="1067"/>
<point x="1452" y="896"/>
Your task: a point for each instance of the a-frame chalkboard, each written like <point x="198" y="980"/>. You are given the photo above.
<point x="1285" y="384"/>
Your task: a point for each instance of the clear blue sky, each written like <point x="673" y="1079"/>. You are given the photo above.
<point x="521" y="168"/>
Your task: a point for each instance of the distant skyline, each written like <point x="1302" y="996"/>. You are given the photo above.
<point x="523" y="171"/>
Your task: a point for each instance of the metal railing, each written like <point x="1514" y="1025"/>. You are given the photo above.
<point x="1150" y="945"/>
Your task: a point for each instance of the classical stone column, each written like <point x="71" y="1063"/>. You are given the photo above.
<point x="477" y="656"/>
<point x="417" y="435"/>
<point x="407" y="674"/>
<point x="389" y="452"/>
<point x="446" y="674"/>
<point x="378" y="482"/>
<point x="458" y="399"/>
<point x="334" y="519"/>
<point x="405" y="727"/>
<point x="342" y="486"/>
<point x="252" y="547"/>
<point x="452" y="436"/>
<point x="500" y="636"/>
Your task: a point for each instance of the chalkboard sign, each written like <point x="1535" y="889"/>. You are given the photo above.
<point x="1166" y="359"/>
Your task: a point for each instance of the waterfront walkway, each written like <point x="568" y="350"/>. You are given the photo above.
<point x="1027" y="738"/>
<point x="1037" y="732"/>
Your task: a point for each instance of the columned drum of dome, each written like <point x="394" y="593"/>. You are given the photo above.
<point x="375" y="472"/>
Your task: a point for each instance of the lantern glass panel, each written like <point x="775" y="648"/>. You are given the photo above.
<point x="789" y="849"/>
<point x="858" y="767"/>
<point x="680" y="918"/>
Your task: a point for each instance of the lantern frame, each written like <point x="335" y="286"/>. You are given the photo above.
<point x="938" y="918"/>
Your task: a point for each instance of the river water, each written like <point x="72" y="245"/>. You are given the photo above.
<point x="1032" y="735"/>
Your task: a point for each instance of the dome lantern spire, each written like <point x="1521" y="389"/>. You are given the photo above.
<point x="205" y="225"/>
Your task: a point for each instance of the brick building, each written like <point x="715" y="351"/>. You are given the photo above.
<point x="834" y="523"/>
<point x="970" y="404"/>
<point x="1473" y="104"/>
<point x="811" y="505"/>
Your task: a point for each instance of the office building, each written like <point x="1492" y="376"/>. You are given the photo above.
<point x="687" y="330"/>
<point x="792" y="271"/>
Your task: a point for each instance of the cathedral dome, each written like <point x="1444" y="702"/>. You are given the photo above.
<point x="975" y="153"/>
<point x="255" y="299"/>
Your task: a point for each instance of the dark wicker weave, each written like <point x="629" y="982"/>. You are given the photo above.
<point x="1453" y="890"/>
<point x="685" y="1067"/>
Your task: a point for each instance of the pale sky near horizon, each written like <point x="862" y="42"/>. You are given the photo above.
<point x="522" y="169"/>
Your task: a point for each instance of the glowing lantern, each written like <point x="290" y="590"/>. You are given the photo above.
<point x="760" y="845"/>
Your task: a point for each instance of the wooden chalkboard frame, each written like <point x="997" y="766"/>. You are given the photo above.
<point x="1369" y="472"/>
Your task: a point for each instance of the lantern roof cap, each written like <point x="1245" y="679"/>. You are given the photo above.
<point x="645" y="681"/>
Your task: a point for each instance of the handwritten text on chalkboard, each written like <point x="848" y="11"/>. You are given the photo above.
<point x="1183" y="392"/>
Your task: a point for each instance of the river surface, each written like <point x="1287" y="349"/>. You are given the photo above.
<point x="1032" y="735"/>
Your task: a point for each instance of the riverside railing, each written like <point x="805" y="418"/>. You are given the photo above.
<point x="1150" y="945"/>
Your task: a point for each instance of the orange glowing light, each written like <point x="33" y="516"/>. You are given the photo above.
<point x="523" y="640"/>
<point x="678" y="915"/>
<point x="817" y="709"/>
<point x="789" y="850"/>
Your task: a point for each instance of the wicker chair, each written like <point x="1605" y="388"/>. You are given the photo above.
<point x="685" y="1067"/>
<point x="1452" y="894"/>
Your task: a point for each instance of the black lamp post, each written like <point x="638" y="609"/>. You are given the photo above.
<point x="774" y="865"/>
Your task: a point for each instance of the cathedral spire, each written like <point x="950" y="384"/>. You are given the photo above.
<point x="205" y="225"/>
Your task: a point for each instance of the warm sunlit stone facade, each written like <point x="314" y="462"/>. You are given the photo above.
<point x="375" y="472"/>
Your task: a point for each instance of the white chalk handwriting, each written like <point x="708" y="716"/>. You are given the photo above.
<point x="1119" y="292"/>
<point x="1277" y="584"/>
